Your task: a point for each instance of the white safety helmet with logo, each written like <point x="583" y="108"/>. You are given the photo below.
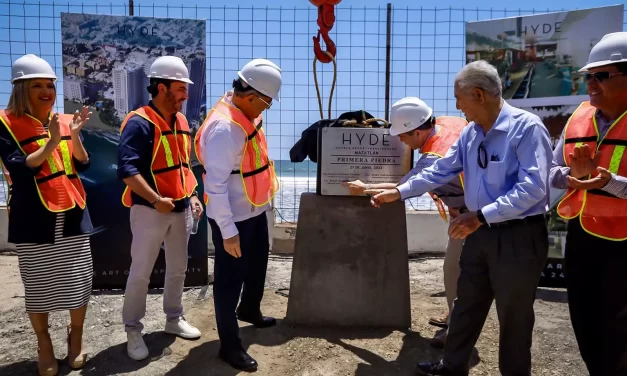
<point x="169" y="68"/>
<point x="408" y="114"/>
<point x="611" y="49"/>
<point x="31" y="66"/>
<point x="263" y="76"/>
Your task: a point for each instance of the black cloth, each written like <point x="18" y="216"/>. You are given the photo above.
<point x="29" y="220"/>
<point x="231" y="273"/>
<point x="597" y="299"/>
<point x="501" y="263"/>
<point x="307" y="146"/>
<point x="135" y="155"/>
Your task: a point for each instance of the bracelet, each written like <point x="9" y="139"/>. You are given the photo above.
<point x="155" y="201"/>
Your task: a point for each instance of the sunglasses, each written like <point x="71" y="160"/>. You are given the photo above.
<point x="601" y="76"/>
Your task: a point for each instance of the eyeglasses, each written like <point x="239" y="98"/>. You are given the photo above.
<point x="482" y="152"/>
<point x="601" y="76"/>
<point x="268" y="105"/>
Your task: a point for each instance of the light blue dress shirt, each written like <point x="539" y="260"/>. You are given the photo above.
<point x="515" y="183"/>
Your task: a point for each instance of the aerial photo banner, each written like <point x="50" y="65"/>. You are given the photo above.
<point x="538" y="58"/>
<point x="105" y="64"/>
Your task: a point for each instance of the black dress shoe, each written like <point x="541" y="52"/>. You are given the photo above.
<point x="437" y="369"/>
<point x="239" y="359"/>
<point x="258" y="320"/>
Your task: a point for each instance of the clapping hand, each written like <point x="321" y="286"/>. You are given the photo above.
<point x="55" y="129"/>
<point x="582" y="163"/>
<point x="79" y="120"/>
<point x="596" y="182"/>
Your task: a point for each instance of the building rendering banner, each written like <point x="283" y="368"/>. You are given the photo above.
<point x="538" y="57"/>
<point x="105" y="64"/>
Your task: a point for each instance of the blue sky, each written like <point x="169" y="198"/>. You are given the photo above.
<point x="427" y="48"/>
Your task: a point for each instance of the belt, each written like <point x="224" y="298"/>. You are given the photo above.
<point x="513" y="222"/>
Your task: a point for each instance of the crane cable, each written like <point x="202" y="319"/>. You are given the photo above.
<point x="332" y="86"/>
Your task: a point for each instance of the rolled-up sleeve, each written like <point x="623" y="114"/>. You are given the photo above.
<point x="134" y="148"/>
<point x="220" y="149"/>
<point x="440" y="172"/>
<point x="534" y="158"/>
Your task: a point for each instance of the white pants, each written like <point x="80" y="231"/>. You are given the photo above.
<point x="150" y="229"/>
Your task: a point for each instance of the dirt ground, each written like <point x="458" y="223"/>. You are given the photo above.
<point x="281" y="350"/>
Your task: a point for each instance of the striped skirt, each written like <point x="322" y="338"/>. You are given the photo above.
<point x="56" y="276"/>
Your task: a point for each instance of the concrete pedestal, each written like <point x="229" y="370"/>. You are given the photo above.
<point x="350" y="264"/>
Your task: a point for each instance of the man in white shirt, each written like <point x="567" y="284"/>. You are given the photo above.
<point x="239" y="185"/>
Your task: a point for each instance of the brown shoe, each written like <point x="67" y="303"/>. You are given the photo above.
<point x="439" y="340"/>
<point x="440" y="322"/>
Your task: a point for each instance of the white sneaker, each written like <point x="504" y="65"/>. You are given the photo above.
<point x="180" y="327"/>
<point x="135" y="346"/>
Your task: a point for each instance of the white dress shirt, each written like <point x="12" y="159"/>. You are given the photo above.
<point x="222" y="146"/>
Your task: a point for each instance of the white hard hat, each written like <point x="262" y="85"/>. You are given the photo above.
<point x="611" y="49"/>
<point x="408" y="114"/>
<point x="31" y="66"/>
<point x="169" y="68"/>
<point x="264" y="76"/>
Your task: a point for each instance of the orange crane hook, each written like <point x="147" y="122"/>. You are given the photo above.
<point x="326" y="19"/>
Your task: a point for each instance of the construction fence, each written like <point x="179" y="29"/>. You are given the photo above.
<point x="383" y="54"/>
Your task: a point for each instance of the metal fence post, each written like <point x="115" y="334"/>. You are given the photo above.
<point x="131" y="8"/>
<point x="388" y="58"/>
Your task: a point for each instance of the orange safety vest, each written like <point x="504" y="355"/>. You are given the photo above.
<point x="600" y="213"/>
<point x="450" y="127"/>
<point x="171" y="171"/>
<point x="58" y="185"/>
<point x="256" y="169"/>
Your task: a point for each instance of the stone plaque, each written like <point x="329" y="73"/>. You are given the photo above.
<point x="371" y="155"/>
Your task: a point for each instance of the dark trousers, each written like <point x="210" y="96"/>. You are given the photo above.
<point x="596" y="279"/>
<point x="231" y="273"/>
<point x="501" y="263"/>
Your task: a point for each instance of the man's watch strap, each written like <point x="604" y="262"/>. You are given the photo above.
<point x="481" y="217"/>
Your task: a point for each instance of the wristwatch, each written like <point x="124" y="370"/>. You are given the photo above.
<point x="155" y="201"/>
<point x="195" y="193"/>
<point x="481" y="217"/>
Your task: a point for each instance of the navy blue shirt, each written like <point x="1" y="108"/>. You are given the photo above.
<point x="135" y="155"/>
<point x="29" y="220"/>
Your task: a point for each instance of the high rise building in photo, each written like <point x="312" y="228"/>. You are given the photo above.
<point x="128" y="88"/>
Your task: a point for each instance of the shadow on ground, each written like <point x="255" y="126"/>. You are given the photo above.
<point x="203" y="359"/>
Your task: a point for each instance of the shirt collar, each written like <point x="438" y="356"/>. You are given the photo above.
<point x="152" y="105"/>
<point x="503" y="121"/>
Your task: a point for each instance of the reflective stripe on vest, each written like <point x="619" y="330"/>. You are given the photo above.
<point x="58" y="186"/>
<point x="447" y="132"/>
<point x="600" y="213"/>
<point x="256" y="169"/>
<point x="170" y="167"/>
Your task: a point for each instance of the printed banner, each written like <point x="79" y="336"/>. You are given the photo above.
<point x="538" y="57"/>
<point x="105" y="64"/>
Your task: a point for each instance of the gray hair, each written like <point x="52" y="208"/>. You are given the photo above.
<point x="481" y="75"/>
